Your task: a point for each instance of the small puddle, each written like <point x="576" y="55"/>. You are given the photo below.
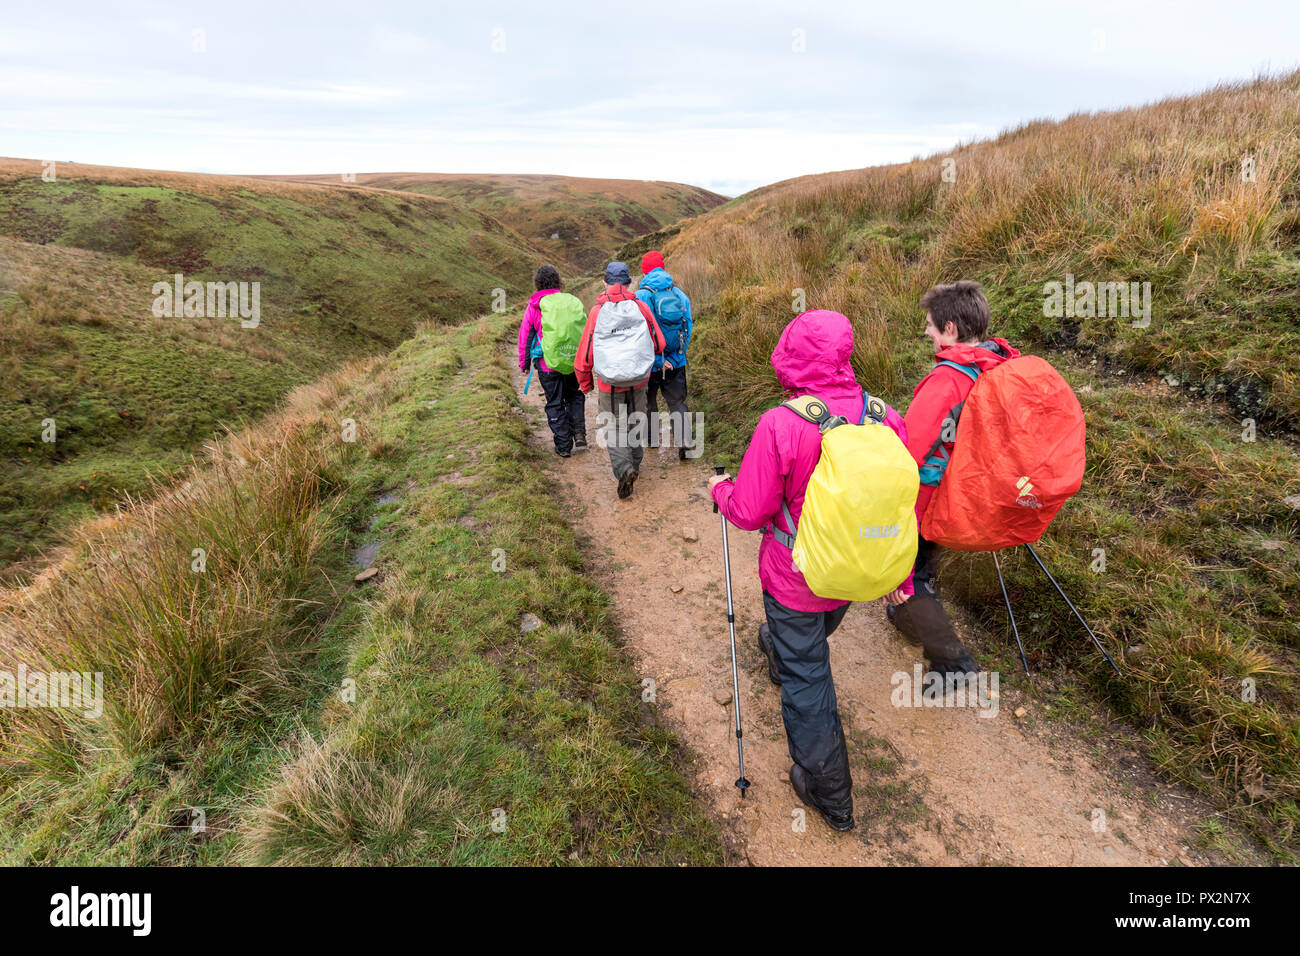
<point x="364" y="556"/>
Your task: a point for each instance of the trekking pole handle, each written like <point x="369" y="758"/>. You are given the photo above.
<point x="718" y="470"/>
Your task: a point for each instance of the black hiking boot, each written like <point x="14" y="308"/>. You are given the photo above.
<point x="580" y="441"/>
<point x="681" y="454"/>
<point x="625" y="484"/>
<point x="961" y="666"/>
<point x="842" y="822"/>
<point x="563" y="454"/>
<point x="769" y="651"/>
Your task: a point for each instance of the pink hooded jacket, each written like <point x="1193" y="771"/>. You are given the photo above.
<point x="811" y="358"/>
<point x="532" y="325"/>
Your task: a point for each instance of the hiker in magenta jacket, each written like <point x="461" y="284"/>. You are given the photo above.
<point x="812" y="357"/>
<point x="565" y="403"/>
<point x="530" y="326"/>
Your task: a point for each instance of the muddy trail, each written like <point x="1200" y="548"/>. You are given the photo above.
<point x="932" y="785"/>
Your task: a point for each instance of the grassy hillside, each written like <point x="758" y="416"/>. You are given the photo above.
<point x="579" y="222"/>
<point x="343" y="273"/>
<point x="1202" y="583"/>
<point x="263" y="708"/>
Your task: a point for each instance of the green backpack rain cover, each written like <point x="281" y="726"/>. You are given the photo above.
<point x="563" y="319"/>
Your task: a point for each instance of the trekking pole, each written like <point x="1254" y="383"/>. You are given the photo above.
<point x="742" y="783"/>
<point x="1070" y="603"/>
<point x="1014" y="630"/>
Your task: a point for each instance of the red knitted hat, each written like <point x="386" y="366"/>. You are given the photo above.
<point x="654" y="259"/>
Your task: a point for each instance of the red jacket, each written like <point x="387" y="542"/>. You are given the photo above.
<point x="935" y="396"/>
<point x="582" y="361"/>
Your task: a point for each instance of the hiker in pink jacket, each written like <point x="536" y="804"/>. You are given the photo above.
<point x="812" y="357"/>
<point x="565" y="403"/>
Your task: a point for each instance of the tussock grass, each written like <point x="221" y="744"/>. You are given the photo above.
<point x="1203" y="556"/>
<point x="196" y="605"/>
<point x="223" y="689"/>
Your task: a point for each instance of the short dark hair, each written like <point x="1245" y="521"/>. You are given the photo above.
<point x="546" y="277"/>
<point x="961" y="303"/>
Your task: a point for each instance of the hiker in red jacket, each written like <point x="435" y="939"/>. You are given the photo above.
<point x="957" y="323"/>
<point x="618" y="352"/>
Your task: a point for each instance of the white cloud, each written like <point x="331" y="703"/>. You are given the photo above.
<point x="707" y="93"/>
<point x="388" y="41"/>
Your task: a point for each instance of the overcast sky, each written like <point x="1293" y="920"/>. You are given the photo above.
<point x="727" y="96"/>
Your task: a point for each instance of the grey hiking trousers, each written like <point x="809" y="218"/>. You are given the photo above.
<point x="623" y="424"/>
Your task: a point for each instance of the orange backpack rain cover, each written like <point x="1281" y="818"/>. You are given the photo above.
<point x="1017" y="457"/>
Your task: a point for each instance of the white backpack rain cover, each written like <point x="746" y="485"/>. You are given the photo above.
<point x="622" y="352"/>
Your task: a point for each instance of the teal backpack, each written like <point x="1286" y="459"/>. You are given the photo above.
<point x="670" y="313"/>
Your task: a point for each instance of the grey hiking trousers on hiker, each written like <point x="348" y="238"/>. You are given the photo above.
<point x="808" y="706"/>
<point x="623" y="428"/>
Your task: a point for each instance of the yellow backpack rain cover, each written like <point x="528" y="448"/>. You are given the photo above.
<point x="856" y="539"/>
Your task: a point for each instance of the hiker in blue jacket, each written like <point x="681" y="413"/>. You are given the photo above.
<point x="672" y="310"/>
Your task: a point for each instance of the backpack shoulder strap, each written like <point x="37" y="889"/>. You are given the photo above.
<point x="654" y="302"/>
<point x="812" y="409"/>
<point x="971" y="371"/>
<point x="784" y="537"/>
<point x="936" y="459"/>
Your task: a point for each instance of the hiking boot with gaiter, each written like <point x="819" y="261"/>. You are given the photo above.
<point x="923" y="620"/>
<point x="837" y="820"/>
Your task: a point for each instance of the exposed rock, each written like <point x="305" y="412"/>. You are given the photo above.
<point x="366" y="575"/>
<point x="722" y="697"/>
<point x="529" y="622"/>
<point x="689" y="534"/>
<point x="1020" y="712"/>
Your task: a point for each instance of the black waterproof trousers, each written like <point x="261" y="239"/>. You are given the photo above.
<point x="672" y="382"/>
<point x="565" y="408"/>
<point x="925" y="572"/>
<point x="808" y="706"/>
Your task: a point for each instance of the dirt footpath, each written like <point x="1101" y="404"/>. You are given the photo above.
<point x="931" y="785"/>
